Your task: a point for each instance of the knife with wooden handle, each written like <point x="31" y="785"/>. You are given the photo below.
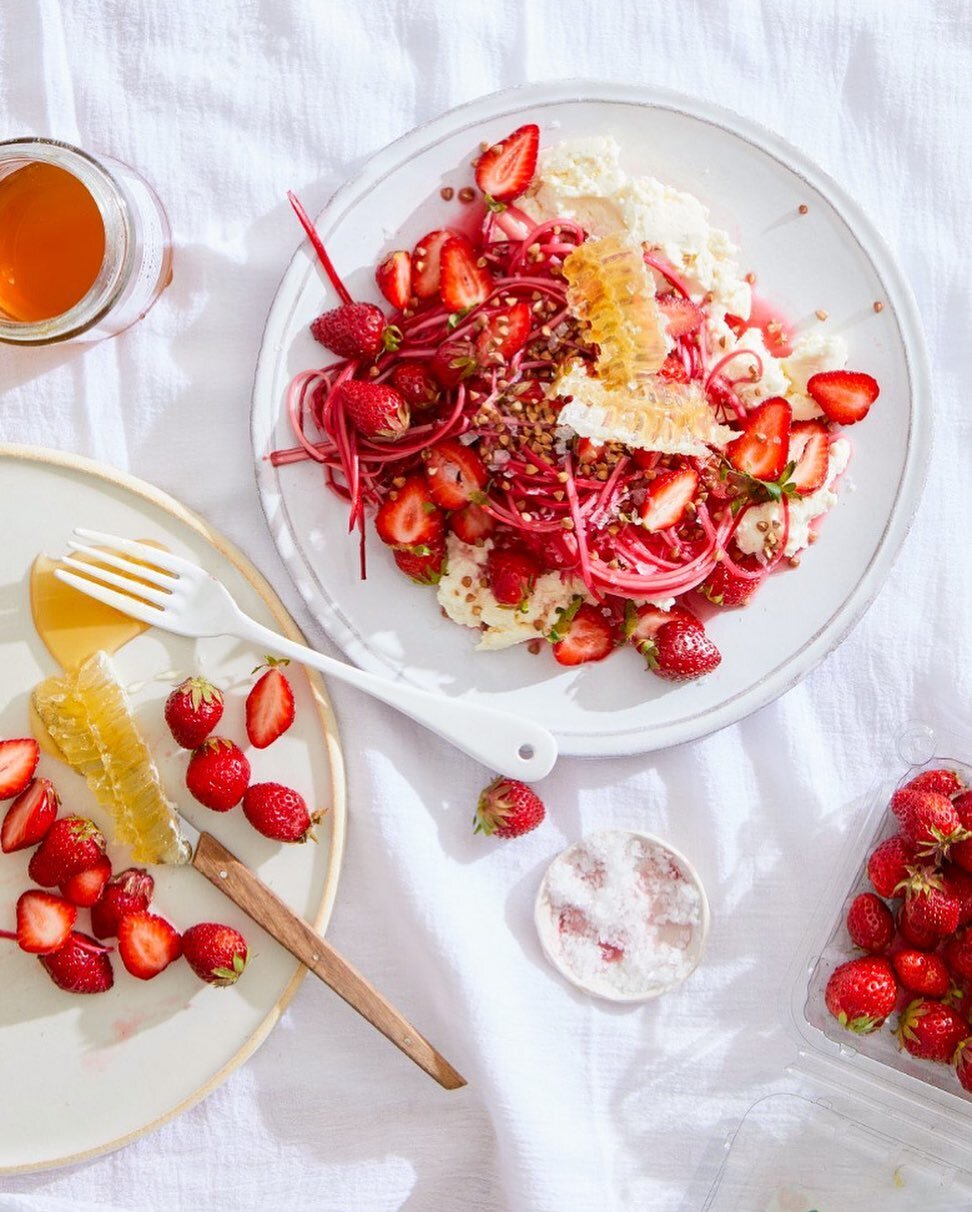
<point x="235" y="880"/>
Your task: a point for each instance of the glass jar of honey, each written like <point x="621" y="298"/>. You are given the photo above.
<point x="85" y="248"/>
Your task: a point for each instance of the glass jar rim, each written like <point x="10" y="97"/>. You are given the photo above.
<point x="116" y="266"/>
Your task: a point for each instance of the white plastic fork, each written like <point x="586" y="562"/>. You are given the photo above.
<point x="183" y="598"/>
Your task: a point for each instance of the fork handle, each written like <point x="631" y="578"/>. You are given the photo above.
<point x="504" y="742"/>
<point x="235" y="880"/>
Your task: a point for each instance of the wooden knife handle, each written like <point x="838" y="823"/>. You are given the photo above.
<point x="238" y="882"/>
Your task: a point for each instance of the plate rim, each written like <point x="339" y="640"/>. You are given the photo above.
<point x="141" y="488"/>
<point x="898" y="297"/>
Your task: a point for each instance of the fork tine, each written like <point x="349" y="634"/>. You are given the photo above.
<point x="164" y="579"/>
<point x="126" y="584"/>
<point x="108" y="597"/>
<point x="142" y="551"/>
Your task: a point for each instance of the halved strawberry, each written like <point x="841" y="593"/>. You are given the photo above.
<point x="375" y="410"/>
<point x="18" y="761"/>
<point x="668" y="496"/>
<point x="762" y="448"/>
<point x="589" y="637"/>
<point x="44" y="922"/>
<point x="269" y="706"/>
<point x="128" y="892"/>
<point x="29" y="817"/>
<point x="504" y="170"/>
<point x="84" y="888"/>
<point x="472" y="523"/>
<point x="681" y="314"/>
<point x="845" y="396"/>
<point x="642" y="623"/>
<point x="410" y="517"/>
<point x="505" y="334"/>
<point x="455" y="474"/>
<point x="809" y="451"/>
<point x="425" y="263"/>
<point x="394" y="278"/>
<point x="463" y="283"/>
<point x="424" y="565"/>
<point x="512" y="575"/>
<point x="147" y="944"/>
<point x="673" y="369"/>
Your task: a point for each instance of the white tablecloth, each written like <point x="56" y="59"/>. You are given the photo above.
<point x="570" y="1105"/>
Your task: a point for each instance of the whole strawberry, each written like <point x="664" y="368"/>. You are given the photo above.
<point x="80" y="966"/>
<point x="961" y="852"/>
<point x="217" y="954"/>
<point x="374" y="409"/>
<point x="963" y="1064"/>
<point x="218" y="774"/>
<point x="945" y="782"/>
<point x="957" y="881"/>
<point x="870" y="923"/>
<point x="923" y="939"/>
<point x="930" y="909"/>
<point x="888" y="865"/>
<point x="416" y="386"/>
<point x="922" y="972"/>
<point x="682" y="652"/>
<point x="72" y="844"/>
<point x="508" y="808"/>
<point x="353" y="330"/>
<point x="277" y="812"/>
<point x="269" y="705"/>
<point x="862" y="993"/>
<point x="958" y="954"/>
<point x="128" y="892"/>
<point x="931" y="1030"/>
<point x="930" y="821"/>
<point x="192" y="711"/>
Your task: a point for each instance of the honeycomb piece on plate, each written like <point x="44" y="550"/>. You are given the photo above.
<point x="88" y="716"/>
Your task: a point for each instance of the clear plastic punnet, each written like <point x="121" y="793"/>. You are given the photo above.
<point x="865" y="1127"/>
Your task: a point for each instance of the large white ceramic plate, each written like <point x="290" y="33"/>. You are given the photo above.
<point x="830" y="258"/>
<point x="84" y="1074"/>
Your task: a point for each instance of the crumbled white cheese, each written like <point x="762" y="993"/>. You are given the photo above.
<point x="474" y="605"/>
<point x="583" y="180"/>
<point x="772" y="382"/>
<point x="619" y="913"/>
<point x="751" y="538"/>
<point x="812" y="354"/>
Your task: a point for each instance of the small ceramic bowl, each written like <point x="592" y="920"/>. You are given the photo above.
<point x="547" y="922"/>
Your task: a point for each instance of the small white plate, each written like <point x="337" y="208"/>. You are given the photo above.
<point x="92" y="1073"/>
<point x="830" y="258"/>
<point x="548" y="929"/>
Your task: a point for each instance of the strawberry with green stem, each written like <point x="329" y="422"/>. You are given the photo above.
<point x="861" y="993"/>
<point x="508" y="808"/>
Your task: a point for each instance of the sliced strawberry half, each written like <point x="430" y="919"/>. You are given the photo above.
<point x="505" y="334"/>
<point x="44" y="922"/>
<point x="463" y="283"/>
<point x="18" y="761"/>
<point x="424" y="565"/>
<point x="589" y="637"/>
<point x="410" y="518"/>
<point x="845" y="396"/>
<point x="681" y="314"/>
<point x="147" y="944"/>
<point x="30" y="816"/>
<point x="504" y="170"/>
<point x="426" y="266"/>
<point x="668" y="496"/>
<point x="269" y="707"/>
<point x="472" y="523"/>
<point x="394" y="278"/>
<point x="762" y="448"/>
<point x="512" y="575"/>
<point x="84" y="888"/>
<point x="809" y="451"/>
<point x="642" y="623"/>
<point x="455" y="474"/>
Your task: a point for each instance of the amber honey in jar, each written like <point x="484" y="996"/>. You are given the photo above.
<point x="84" y="244"/>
